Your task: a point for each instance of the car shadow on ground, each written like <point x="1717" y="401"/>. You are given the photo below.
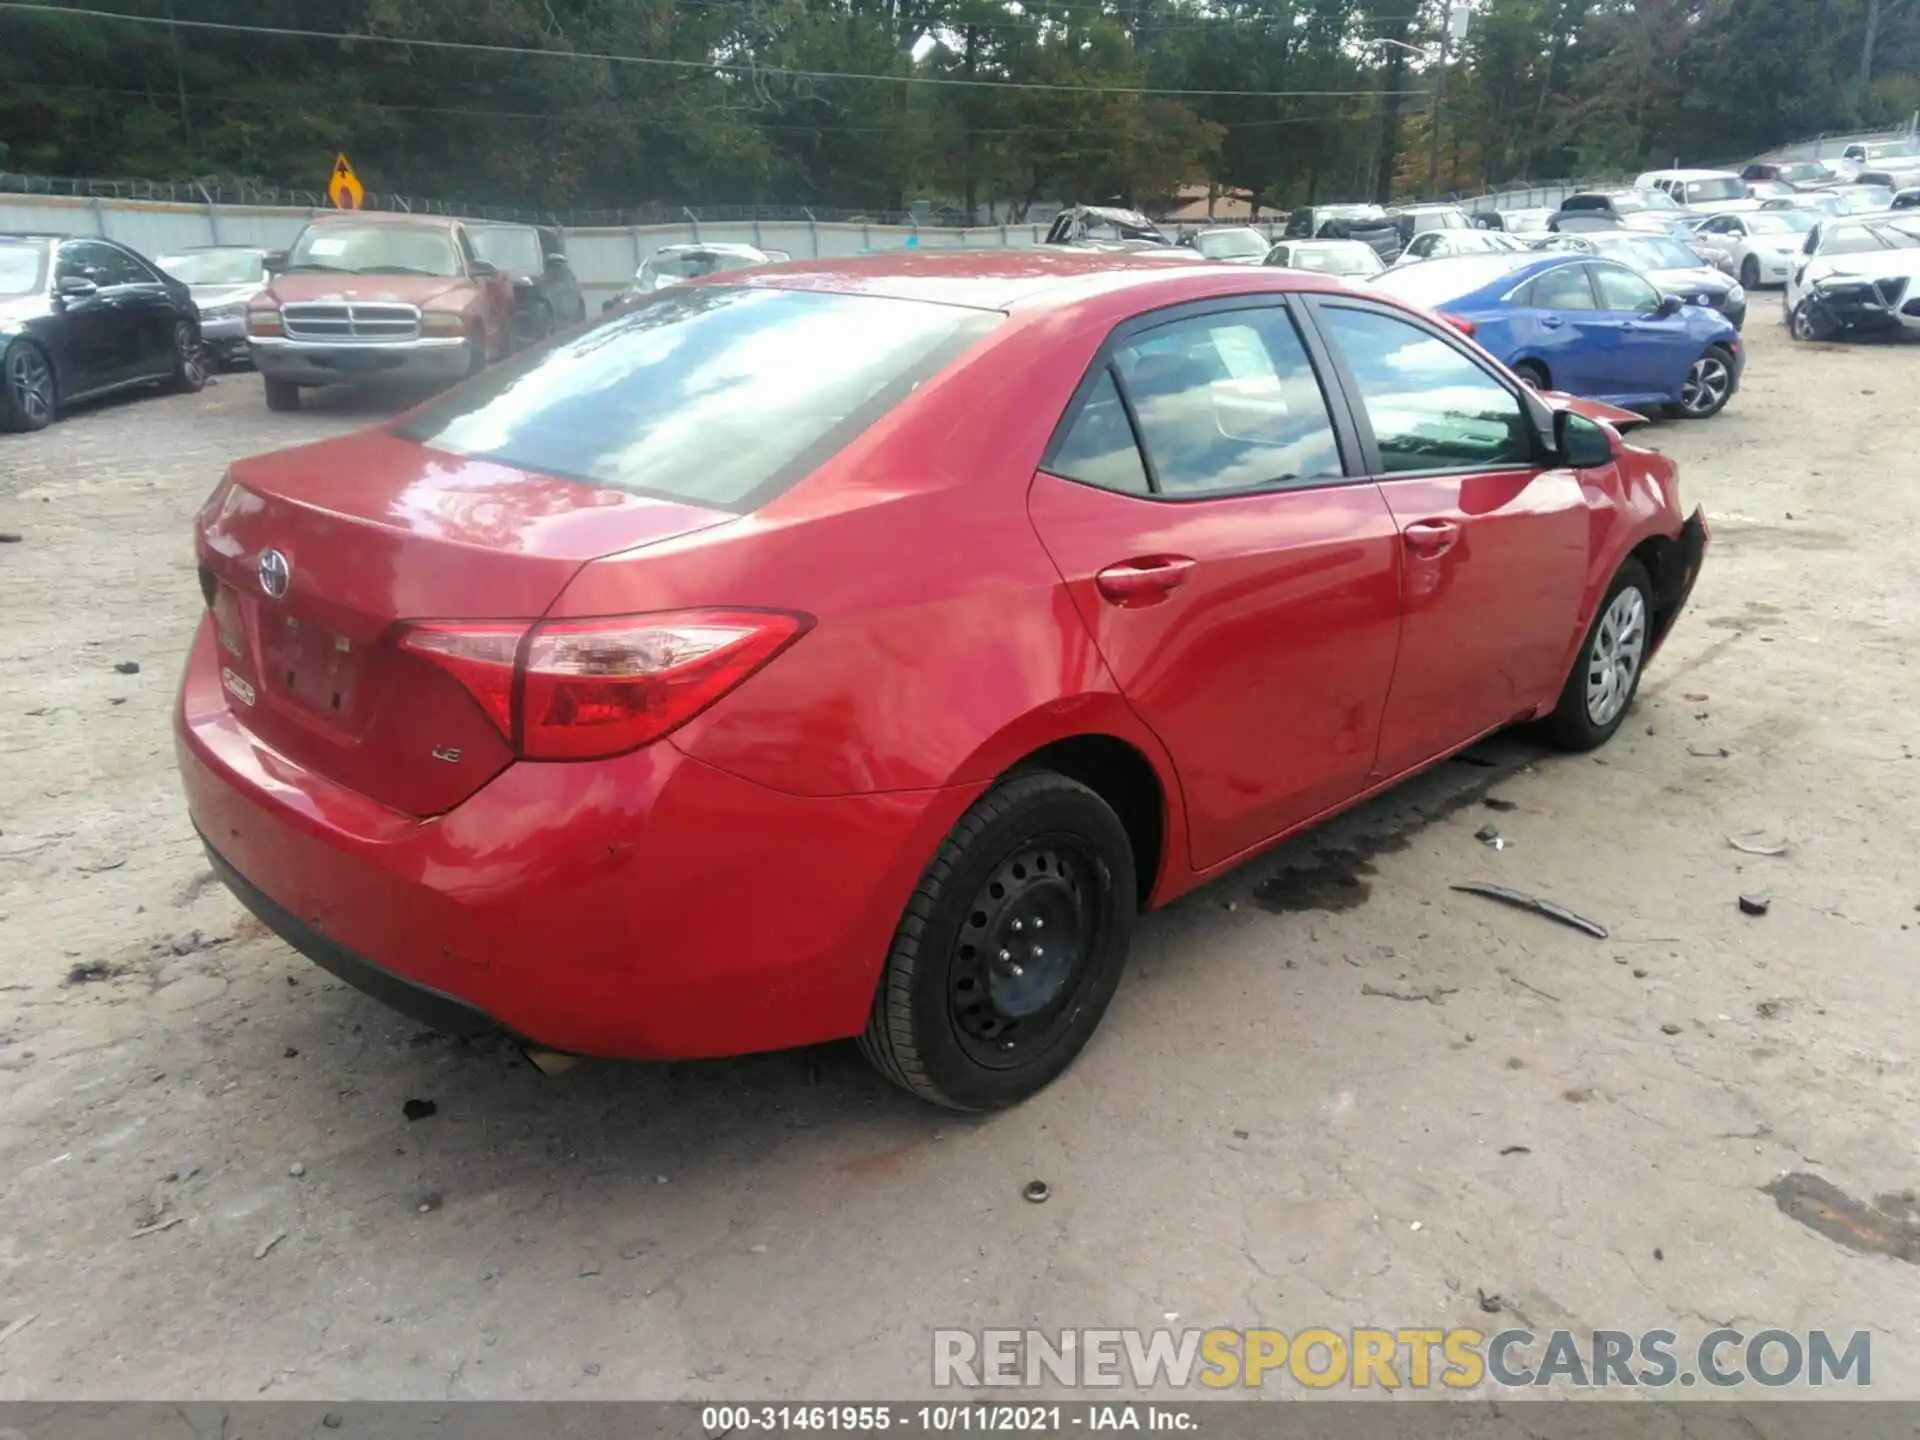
<point x="502" y="1128"/>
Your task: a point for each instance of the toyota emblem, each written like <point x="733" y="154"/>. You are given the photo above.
<point x="276" y="573"/>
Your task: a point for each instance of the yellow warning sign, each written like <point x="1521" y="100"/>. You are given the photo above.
<point x="344" y="188"/>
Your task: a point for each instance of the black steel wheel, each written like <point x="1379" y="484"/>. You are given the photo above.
<point x="29" y="399"/>
<point x="1010" y="947"/>
<point x="189" y="374"/>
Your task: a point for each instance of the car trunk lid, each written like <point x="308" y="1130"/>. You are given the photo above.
<point x="313" y="560"/>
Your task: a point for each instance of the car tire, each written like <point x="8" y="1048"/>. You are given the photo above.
<point x="1809" y="325"/>
<point x="1605" y="677"/>
<point x="1709" y="385"/>
<point x="29" y="389"/>
<point x="956" y="1019"/>
<point x="189" y="373"/>
<point x="1750" y="273"/>
<point x="282" y="394"/>
<point x="1534" y="373"/>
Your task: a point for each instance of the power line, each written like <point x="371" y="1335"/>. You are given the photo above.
<point x="709" y="66"/>
<point x="626" y="121"/>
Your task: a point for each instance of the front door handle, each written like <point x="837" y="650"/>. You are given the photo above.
<point x="1146" y="580"/>
<point x="1551" y="322"/>
<point x="1431" y="537"/>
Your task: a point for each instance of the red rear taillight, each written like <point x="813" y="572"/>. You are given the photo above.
<point x="580" y="689"/>
<point x="1459" y="322"/>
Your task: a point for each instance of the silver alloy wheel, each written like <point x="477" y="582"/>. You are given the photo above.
<point x="1613" y="664"/>
<point x="193" y="365"/>
<point x="30" y="383"/>
<point x="1801" y="323"/>
<point x="1707" y="385"/>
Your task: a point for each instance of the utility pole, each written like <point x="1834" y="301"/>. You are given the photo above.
<point x="1439" y="99"/>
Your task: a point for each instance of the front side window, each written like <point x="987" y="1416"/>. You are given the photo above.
<point x="375" y="249"/>
<point x="513" y="249"/>
<point x="1225" y="403"/>
<point x="1430" y="406"/>
<point x="1621" y="289"/>
<point x="215" y="267"/>
<point x="711" y="395"/>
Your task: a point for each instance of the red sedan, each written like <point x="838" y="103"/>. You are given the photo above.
<point x="856" y="648"/>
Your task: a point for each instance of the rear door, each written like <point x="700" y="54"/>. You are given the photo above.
<point x="146" y="310"/>
<point x="1202" y="502"/>
<point x="1493" y="542"/>
<point x="1570" y="335"/>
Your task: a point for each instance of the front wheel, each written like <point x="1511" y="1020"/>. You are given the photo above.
<point x="1605" y="678"/>
<point x="1010" y="947"/>
<point x="1708" y="386"/>
<point x="1806" y="323"/>
<point x="189" y="373"/>
<point x="1533" y="373"/>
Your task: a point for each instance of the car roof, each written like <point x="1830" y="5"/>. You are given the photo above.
<point x="1040" y="278"/>
<point x="209" y="249"/>
<point x="387" y="217"/>
<point x="1690" y="175"/>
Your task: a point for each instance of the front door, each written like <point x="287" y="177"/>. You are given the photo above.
<point x="1493" y="541"/>
<point x="1240" y="581"/>
<point x="1649" y="348"/>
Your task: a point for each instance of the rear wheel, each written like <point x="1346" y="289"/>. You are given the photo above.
<point x="1708" y="386"/>
<point x="1750" y="273"/>
<point x="1533" y="372"/>
<point x="189" y="373"/>
<point x="30" y="398"/>
<point x="1594" y="702"/>
<point x="282" y="394"/>
<point x="1010" y="947"/>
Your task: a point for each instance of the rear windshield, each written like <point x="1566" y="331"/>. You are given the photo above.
<point x="713" y="395"/>
<point x="1346" y="258"/>
<point x="1232" y="244"/>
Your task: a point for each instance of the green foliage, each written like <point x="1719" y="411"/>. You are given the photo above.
<point x="1540" y="88"/>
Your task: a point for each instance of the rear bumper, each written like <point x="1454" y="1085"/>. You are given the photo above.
<point x="648" y="906"/>
<point x="305" y="362"/>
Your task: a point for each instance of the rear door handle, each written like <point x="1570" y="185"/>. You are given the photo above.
<point x="1431" y="537"/>
<point x="1145" y="580"/>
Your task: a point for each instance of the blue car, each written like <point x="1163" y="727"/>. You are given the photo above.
<point x="1584" y="325"/>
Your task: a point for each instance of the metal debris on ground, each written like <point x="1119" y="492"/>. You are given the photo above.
<point x="127" y="667"/>
<point x="1669" y="1028"/>
<point x="1489" y="1303"/>
<point x="1035" y="1192"/>
<point x="1432" y="994"/>
<point x="1516" y="1150"/>
<point x="1890" y="1226"/>
<point x="157" y="1227"/>
<point x="1495" y="802"/>
<point x="1759" y="842"/>
<point x="419" y="1109"/>
<point x="1756" y="903"/>
<point x="1709" y="752"/>
<point x="1520" y="900"/>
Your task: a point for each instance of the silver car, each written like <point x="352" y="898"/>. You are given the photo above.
<point x="221" y="279"/>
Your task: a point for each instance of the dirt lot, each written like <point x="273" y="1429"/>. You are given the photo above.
<point x="208" y="1187"/>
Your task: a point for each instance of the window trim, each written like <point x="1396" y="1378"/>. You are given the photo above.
<point x="1349" y="383"/>
<point x="1347" y="442"/>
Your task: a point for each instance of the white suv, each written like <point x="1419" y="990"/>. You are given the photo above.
<point x="1709" y="192"/>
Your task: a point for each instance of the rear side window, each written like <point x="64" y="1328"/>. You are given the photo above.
<point x="713" y="395"/>
<point x="1431" y="408"/>
<point x="1100" y="448"/>
<point x="1563" y="289"/>
<point x="1228" y="402"/>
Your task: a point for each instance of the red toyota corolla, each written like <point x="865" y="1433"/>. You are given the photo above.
<point x="855" y="648"/>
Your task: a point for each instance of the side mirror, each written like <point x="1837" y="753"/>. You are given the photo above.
<point x="482" y="269"/>
<point x="1582" y="444"/>
<point x="76" y="287"/>
<point x="1669" y="305"/>
<point x="275" y="261"/>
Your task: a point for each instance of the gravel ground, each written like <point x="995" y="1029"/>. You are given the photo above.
<point x="208" y="1187"/>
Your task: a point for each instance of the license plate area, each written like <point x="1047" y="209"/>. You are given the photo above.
<point x="311" y="670"/>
